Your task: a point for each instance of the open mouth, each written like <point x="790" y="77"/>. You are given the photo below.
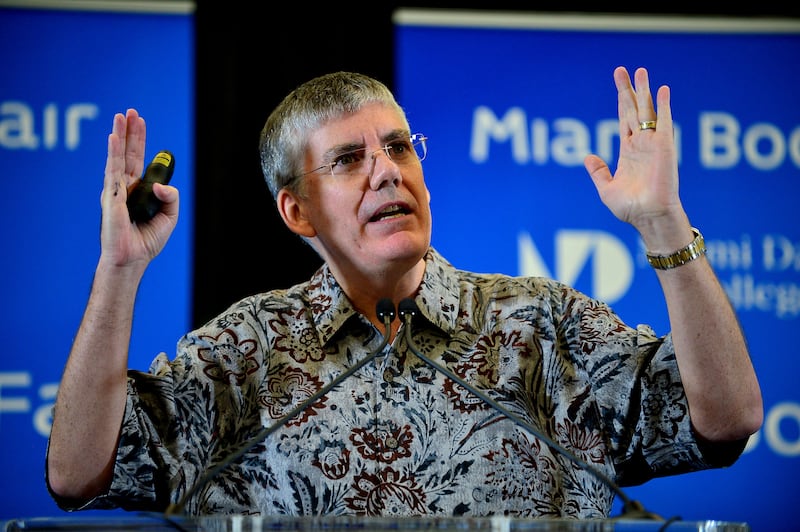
<point x="394" y="211"/>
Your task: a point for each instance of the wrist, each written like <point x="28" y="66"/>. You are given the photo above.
<point x="692" y="251"/>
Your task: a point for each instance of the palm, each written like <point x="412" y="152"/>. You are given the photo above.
<point x="645" y="183"/>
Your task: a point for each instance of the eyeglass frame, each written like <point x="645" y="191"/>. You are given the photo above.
<point x="415" y="139"/>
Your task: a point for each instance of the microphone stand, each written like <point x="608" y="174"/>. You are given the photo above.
<point x="631" y="509"/>
<point x="386" y="312"/>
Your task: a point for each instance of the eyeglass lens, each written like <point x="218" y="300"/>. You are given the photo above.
<point x="401" y="152"/>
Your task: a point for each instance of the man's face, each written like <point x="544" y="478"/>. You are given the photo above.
<point x="373" y="215"/>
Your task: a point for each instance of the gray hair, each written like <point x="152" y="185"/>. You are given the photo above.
<point x="284" y="137"/>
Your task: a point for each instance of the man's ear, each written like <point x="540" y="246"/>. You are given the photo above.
<point x="293" y="212"/>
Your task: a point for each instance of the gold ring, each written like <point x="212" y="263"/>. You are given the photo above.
<point x="647" y="124"/>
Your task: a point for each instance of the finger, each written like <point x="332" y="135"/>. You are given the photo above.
<point x="134" y="143"/>
<point x="644" y="99"/>
<point x="114" y="180"/>
<point x="598" y="170"/>
<point x="664" y="109"/>
<point x="626" y="102"/>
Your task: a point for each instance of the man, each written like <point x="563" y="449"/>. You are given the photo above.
<point x="254" y="392"/>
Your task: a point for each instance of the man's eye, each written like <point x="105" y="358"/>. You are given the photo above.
<point x="399" y="147"/>
<point x="349" y="158"/>
<point x="401" y="150"/>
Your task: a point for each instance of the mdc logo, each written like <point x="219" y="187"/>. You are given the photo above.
<point x="610" y="261"/>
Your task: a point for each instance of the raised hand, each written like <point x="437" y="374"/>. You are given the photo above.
<point x="644" y="186"/>
<point x="124" y="242"/>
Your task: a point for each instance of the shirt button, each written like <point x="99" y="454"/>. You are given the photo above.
<point x="391" y="443"/>
<point x="388" y="376"/>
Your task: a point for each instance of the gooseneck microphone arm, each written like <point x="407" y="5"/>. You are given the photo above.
<point x="631" y="509"/>
<point x="386" y="312"/>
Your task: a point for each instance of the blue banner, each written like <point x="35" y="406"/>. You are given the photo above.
<point x="511" y="103"/>
<point x="65" y="74"/>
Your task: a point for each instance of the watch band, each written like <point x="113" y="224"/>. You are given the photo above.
<point x="695" y="249"/>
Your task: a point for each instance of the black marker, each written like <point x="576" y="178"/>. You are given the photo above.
<point x="142" y="203"/>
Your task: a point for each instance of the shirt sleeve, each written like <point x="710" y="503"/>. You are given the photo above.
<point x="644" y="406"/>
<point x="146" y="449"/>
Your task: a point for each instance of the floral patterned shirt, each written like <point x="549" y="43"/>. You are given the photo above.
<point x="397" y="438"/>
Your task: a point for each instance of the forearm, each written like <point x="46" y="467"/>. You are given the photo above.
<point x="720" y="382"/>
<point x="91" y="396"/>
<point x="721" y="386"/>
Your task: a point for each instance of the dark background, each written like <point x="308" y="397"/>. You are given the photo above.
<point x="247" y="60"/>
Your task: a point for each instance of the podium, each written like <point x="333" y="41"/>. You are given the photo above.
<point x="148" y="522"/>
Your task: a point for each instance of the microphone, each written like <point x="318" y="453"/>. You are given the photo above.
<point x="386" y="312"/>
<point x="142" y="203"/>
<point x="631" y="509"/>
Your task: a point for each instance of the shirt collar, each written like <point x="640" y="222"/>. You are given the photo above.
<point x="437" y="298"/>
<point x="439" y="294"/>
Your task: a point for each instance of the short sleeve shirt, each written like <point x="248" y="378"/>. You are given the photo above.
<point x="398" y="437"/>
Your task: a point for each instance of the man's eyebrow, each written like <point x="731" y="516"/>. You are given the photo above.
<point x="396" y="134"/>
<point x="331" y="153"/>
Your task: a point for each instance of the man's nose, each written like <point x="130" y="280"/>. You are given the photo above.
<point x="383" y="171"/>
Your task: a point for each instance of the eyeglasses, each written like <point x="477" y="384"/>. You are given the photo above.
<point x="402" y="151"/>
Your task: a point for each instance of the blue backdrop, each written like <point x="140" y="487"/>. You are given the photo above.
<point x="511" y="104"/>
<point x="64" y="75"/>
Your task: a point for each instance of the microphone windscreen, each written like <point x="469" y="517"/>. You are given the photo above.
<point x="407" y="306"/>
<point x="385" y="309"/>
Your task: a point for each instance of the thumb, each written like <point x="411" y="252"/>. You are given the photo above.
<point x="598" y="170"/>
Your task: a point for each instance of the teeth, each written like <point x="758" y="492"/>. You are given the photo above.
<point x="390" y="212"/>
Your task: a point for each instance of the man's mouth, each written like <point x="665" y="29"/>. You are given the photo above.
<point x="393" y="211"/>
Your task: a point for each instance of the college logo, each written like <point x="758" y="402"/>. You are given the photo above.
<point x="610" y="263"/>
